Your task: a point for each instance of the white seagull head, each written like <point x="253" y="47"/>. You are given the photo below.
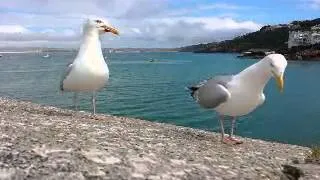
<point x="277" y="64"/>
<point x="102" y="26"/>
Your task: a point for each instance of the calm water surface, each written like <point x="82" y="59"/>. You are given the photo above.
<point x="156" y="91"/>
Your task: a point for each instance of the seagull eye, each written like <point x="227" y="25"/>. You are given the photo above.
<point x="272" y="65"/>
<point x="98" y="21"/>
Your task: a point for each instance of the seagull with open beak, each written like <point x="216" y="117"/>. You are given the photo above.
<point x="89" y="71"/>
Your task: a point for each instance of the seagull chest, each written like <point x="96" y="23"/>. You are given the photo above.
<point x="84" y="77"/>
<point x="240" y="103"/>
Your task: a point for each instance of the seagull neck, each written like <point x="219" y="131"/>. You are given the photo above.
<point x="91" y="35"/>
<point x="257" y="74"/>
<point x="90" y="42"/>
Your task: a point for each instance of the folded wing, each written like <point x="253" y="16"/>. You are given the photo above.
<point x="213" y="92"/>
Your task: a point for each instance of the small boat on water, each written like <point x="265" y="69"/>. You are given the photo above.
<point x="152" y="60"/>
<point x="0" y="55"/>
<point x="256" y="53"/>
<point x="46" y="56"/>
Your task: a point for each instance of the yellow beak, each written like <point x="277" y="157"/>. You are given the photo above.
<point x="279" y="80"/>
<point x="111" y="29"/>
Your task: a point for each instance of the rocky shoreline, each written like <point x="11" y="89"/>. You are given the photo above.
<point x="302" y="54"/>
<point x="43" y="142"/>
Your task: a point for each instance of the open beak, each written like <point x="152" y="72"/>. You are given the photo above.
<point x="279" y="80"/>
<point x="111" y="29"/>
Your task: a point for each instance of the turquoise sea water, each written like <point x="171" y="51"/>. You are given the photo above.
<point x="156" y="91"/>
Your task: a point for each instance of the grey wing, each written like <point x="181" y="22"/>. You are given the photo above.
<point x="213" y="92"/>
<point x="64" y="75"/>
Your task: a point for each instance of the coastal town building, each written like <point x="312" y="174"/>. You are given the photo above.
<point x="304" y="38"/>
<point x="315" y="38"/>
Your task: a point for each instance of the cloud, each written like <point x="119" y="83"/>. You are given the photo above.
<point x="142" y="23"/>
<point x="39" y="44"/>
<point x="20" y="33"/>
<point x="214" y="23"/>
<point x="202" y="8"/>
<point x="186" y="30"/>
<point x="309" y="5"/>
<point x="136" y="30"/>
<point x="5" y="29"/>
<point x="48" y="31"/>
<point x="223" y="6"/>
<point x="314" y="4"/>
<point x="179" y="31"/>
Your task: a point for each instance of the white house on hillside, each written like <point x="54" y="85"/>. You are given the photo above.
<point x="315" y="28"/>
<point x="298" y="38"/>
<point x="315" y="38"/>
<point x="304" y="38"/>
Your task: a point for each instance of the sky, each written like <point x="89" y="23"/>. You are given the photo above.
<point x="143" y="23"/>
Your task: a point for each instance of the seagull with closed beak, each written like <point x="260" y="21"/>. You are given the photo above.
<point x="238" y="95"/>
<point x="89" y="71"/>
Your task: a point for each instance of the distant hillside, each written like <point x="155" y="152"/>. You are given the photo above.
<point x="305" y="25"/>
<point x="268" y="37"/>
<point x="197" y="47"/>
<point x="141" y="49"/>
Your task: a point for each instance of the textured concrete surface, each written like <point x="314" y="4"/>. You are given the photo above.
<point x="42" y="142"/>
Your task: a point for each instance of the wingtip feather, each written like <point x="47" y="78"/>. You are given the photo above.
<point x="193" y="89"/>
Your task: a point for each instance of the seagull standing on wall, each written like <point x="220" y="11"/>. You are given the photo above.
<point x="89" y="71"/>
<point x="240" y="94"/>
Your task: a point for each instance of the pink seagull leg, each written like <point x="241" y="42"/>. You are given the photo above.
<point x="224" y="140"/>
<point x="231" y="138"/>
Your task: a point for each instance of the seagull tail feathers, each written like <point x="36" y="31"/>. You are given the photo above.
<point x="66" y="73"/>
<point x="193" y="90"/>
<point x="61" y="86"/>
